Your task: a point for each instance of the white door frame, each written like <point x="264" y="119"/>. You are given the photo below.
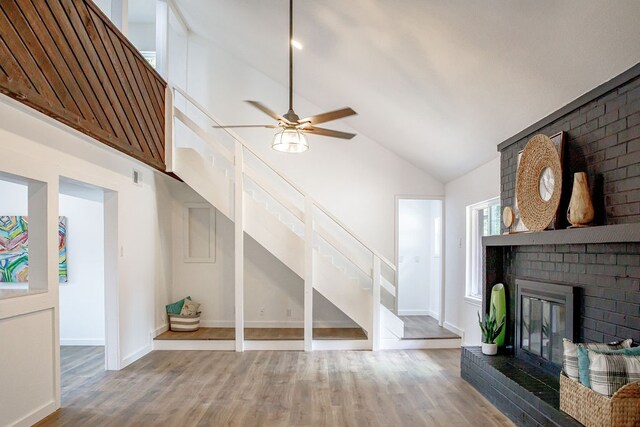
<point x="111" y="283"/>
<point x="399" y="197"/>
<point x="112" y="361"/>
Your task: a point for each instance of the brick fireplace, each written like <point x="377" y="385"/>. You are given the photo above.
<point x="602" y="263"/>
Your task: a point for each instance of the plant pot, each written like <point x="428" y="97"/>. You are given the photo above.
<point x="489" y="349"/>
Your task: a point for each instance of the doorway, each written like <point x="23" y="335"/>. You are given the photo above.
<point x="419" y="257"/>
<point x="84" y="283"/>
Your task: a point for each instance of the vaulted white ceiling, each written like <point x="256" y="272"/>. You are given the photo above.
<point x="440" y="83"/>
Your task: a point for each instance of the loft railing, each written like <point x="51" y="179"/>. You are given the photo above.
<point x="299" y="204"/>
<point x="66" y="59"/>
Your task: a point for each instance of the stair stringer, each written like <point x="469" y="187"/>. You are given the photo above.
<point x="391" y="325"/>
<point x="341" y="291"/>
<point x="266" y="229"/>
<point x="208" y="181"/>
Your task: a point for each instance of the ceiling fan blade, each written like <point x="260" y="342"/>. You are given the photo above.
<point x="269" y="112"/>
<point x="328" y="132"/>
<point x="327" y="117"/>
<point x="246" y="126"/>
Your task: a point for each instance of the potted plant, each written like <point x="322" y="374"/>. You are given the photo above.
<point x="490" y="331"/>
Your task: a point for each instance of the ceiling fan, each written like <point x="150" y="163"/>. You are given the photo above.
<point x="290" y="136"/>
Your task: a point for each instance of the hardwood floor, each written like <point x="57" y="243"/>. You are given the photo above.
<point x="323" y="388"/>
<point x="424" y="327"/>
<point x="262" y="334"/>
<point x="79" y="364"/>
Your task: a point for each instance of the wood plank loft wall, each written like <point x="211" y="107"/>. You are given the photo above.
<point x="66" y="59"/>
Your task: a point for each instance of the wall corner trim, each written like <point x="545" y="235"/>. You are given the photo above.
<point x="37" y="415"/>
<point x="126" y="361"/>
<point x="456" y="330"/>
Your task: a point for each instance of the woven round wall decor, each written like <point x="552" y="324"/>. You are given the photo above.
<point x="539" y="167"/>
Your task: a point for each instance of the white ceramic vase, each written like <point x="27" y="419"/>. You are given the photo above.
<point x="489" y="349"/>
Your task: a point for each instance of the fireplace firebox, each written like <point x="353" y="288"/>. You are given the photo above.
<point x="544" y="316"/>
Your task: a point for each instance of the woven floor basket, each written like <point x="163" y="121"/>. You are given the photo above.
<point x="179" y="323"/>
<point x="594" y="410"/>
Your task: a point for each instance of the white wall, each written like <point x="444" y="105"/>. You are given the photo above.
<point x="271" y="288"/>
<point x="178" y="48"/>
<point x="357" y="180"/>
<point x="82" y="320"/>
<point x="419" y="266"/>
<point x="41" y="149"/>
<point x="478" y="185"/>
<point x="105" y="6"/>
<point x="142" y="35"/>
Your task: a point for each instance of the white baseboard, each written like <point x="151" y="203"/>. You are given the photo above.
<point x="276" y="324"/>
<point x="320" y="345"/>
<point x="419" y="313"/>
<point x="82" y="341"/>
<point x="36" y="415"/>
<point x="453" y="328"/>
<point x="414" y="313"/>
<point x="224" y="345"/>
<point x="390" y="344"/>
<point x="227" y="345"/>
<point x="135" y="356"/>
<point x="160" y="329"/>
<point x="217" y="323"/>
<point x="274" y="345"/>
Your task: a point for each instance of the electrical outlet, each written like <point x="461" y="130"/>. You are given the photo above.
<point x="163" y="317"/>
<point x="261" y="311"/>
<point x="288" y="312"/>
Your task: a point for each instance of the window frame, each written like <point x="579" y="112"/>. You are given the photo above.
<point x="474" y="234"/>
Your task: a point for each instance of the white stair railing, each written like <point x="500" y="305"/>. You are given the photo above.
<point x="292" y="205"/>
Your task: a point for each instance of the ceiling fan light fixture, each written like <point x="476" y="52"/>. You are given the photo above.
<point x="290" y="140"/>
<point x="290" y="137"/>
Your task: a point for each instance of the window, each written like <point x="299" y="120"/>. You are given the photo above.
<point x="483" y="219"/>
<point x="149" y="56"/>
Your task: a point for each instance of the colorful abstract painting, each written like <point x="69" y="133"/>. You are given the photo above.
<point x="14" y="250"/>
<point x="62" y="249"/>
<point x="14" y="259"/>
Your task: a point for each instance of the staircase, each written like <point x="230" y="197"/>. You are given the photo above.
<point x="285" y="220"/>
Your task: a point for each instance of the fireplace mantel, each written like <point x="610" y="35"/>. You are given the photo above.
<point x="618" y="233"/>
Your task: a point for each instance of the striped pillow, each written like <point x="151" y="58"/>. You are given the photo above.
<point x="609" y="372"/>
<point x="570" y="355"/>
<point x="583" y="360"/>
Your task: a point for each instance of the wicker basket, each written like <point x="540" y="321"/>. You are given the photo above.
<point x="179" y="323"/>
<point x="595" y="410"/>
